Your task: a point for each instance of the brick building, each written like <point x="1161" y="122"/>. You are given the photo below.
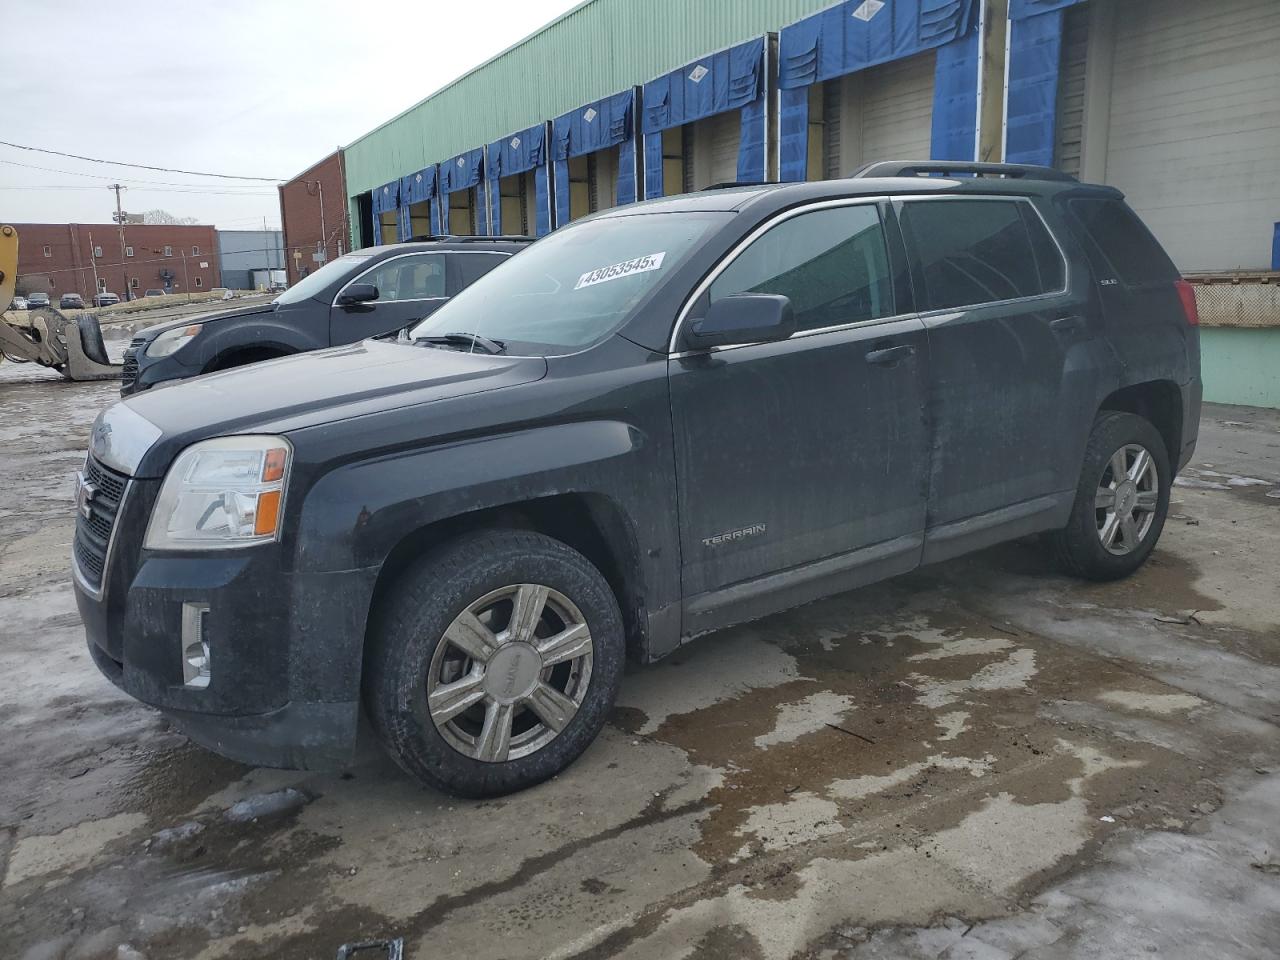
<point x="313" y="214"/>
<point x="83" y="258"/>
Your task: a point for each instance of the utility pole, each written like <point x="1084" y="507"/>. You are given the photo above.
<point x="124" y="266"/>
<point x="93" y="260"/>
<point x="186" y="277"/>
<point x="324" y="237"/>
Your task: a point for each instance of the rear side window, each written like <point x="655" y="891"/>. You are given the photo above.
<point x="830" y="263"/>
<point x="981" y="251"/>
<point x="1128" y="245"/>
<point x="473" y="266"/>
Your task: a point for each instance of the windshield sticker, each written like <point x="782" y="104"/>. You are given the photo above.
<point x="617" y="270"/>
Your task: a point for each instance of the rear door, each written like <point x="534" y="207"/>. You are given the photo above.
<point x="811" y="448"/>
<point x="1014" y="367"/>
<point x="410" y="286"/>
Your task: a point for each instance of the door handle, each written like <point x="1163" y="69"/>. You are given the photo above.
<point x="1068" y="324"/>
<point x="891" y="355"/>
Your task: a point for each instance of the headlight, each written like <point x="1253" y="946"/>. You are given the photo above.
<point x="227" y="492"/>
<point x="172" y="340"/>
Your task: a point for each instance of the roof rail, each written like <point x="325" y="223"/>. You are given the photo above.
<point x="455" y="238"/>
<point x="916" y="168"/>
<point x="730" y="184"/>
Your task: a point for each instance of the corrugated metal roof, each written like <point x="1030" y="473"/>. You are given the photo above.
<point x="598" y="48"/>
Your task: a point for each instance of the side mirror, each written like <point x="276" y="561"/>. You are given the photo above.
<point x="743" y="318"/>
<point x="358" y="293"/>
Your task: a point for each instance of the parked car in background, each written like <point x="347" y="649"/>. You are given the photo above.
<point x="366" y="293"/>
<point x="35" y="301"/>
<point x="19" y="303"/>
<point x="154" y="292"/>
<point x="661" y="420"/>
<point x="105" y="299"/>
<point x="71" y="301"/>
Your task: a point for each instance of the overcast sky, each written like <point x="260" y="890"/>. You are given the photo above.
<point x="243" y="87"/>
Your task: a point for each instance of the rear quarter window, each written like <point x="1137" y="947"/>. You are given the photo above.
<point x="970" y="252"/>
<point x="1125" y="243"/>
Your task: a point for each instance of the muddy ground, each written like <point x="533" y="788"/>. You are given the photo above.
<point x="981" y="760"/>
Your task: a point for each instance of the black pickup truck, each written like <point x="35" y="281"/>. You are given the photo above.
<point x="656" y="422"/>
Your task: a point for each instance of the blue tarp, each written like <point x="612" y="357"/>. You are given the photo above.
<point x="728" y="80"/>
<point x="853" y="36"/>
<point x="1021" y="9"/>
<point x="850" y="37"/>
<point x="955" y="101"/>
<point x="519" y="153"/>
<point x="386" y="197"/>
<point x="1035" y="53"/>
<point x="594" y="126"/>
<point x="731" y="79"/>
<point x="1035" y="59"/>
<point x="418" y="186"/>
<point x="463" y="171"/>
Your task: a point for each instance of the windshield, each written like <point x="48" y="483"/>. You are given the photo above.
<point x="313" y="283"/>
<point x="575" y="287"/>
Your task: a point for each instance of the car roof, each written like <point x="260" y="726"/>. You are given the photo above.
<point x="908" y="178"/>
<point x="503" y="244"/>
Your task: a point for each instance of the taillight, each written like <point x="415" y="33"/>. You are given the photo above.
<point x="1187" y="294"/>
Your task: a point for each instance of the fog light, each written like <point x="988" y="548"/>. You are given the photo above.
<point x="196" y="662"/>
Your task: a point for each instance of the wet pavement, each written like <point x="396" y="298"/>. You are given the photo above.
<point x="981" y="760"/>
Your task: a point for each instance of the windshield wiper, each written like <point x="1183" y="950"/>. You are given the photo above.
<point x="472" y="340"/>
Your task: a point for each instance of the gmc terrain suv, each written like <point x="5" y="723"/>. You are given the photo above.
<point x="366" y="293"/>
<point x="656" y="422"/>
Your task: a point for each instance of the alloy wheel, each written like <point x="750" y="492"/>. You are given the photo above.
<point x="1127" y="498"/>
<point x="510" y="673"/>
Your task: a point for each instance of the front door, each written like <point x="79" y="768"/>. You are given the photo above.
<point x="1013" y="364"/>
<point x="812" y="448"/>
<point x="410" y="287"/>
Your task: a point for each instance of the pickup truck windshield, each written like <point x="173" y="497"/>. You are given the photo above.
<point x="313" y="283"/>
<point x="574" y="287"/>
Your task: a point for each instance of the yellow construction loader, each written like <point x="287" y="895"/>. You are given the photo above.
<point x="72" y="347"/>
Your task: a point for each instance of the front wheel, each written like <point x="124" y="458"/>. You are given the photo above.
<point x="494" y="663"/>
<point x="1121" y="502"/>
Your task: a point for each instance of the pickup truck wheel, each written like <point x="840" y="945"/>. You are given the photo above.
<point x="1121" y="502"/>
<point x="494" y="663"/>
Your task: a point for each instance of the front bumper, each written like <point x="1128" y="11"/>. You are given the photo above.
<point x="285" y="647"/>
<point x="142" y="372"/>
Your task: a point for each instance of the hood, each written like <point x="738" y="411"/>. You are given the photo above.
<point x="310" y="389"/>
<point x="150" y="333"/>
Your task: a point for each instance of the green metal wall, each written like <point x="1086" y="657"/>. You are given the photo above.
<point x="1241" y="366"/>
<point x="598" y="48"/>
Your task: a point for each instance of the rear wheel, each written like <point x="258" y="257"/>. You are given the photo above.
<point x="1121" y="502"/>
<point x="494" y="663"/>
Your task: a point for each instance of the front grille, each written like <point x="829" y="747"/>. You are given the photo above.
<point x="129" y="372"/>
<point x="93" y="533"/>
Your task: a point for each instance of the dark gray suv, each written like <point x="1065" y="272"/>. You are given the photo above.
<point x="366" y="293"/>
<point x="654" y="423"/>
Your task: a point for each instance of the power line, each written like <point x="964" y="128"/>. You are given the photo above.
<point x="248" y="192"/>
<point x="104" y="176"/>
<point x="137" y="166"/>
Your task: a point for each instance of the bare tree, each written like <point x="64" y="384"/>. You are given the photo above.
<point x="166" y="218"/>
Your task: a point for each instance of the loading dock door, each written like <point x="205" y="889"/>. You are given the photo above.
<point x="461" y="189"/>
<point x="462" y="220"/>
<point x="881" y="113"/>
<point x="1194" y="132"/>
<point x="594" y="157"/>
<point x="518" y="184"/>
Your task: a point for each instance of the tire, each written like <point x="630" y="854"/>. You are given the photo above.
<point x="470" y="588"/>
<point x="1081" y="547"/>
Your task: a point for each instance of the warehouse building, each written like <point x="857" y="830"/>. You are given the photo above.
<point x="247" y="258"/>
<point x="313" y="215"/>
<point x="90" y="258"/>
<point x="1172" y="101"/>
